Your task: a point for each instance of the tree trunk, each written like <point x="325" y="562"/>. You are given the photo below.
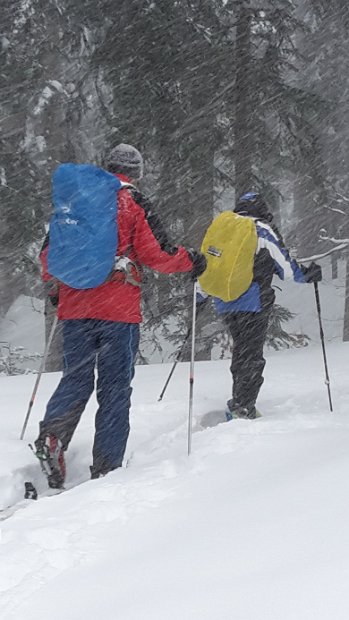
<point x="334" y="267"/>
<point x="346" y="305"/>
<point x="244" y="140"/>
<point x="202" y="204"/>
<point x="304" y="214"/>
<point x="54" y="360"/>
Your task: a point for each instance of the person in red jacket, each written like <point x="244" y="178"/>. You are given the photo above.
<point x="101" y="327"/>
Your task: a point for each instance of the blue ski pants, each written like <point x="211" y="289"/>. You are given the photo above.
<point x="112" y="347"/>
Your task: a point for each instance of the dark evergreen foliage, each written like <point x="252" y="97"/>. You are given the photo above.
<point x="218" y="95"/>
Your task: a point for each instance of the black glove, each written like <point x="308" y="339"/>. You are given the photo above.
<point x="312" y="273"/>
<point x="199" y="264"/>
<point x="200" y="300"/>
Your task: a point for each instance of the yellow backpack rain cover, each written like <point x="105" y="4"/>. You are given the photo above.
<point x="229" y="245"/>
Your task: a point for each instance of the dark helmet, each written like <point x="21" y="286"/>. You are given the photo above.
<point x="253" y="205"/>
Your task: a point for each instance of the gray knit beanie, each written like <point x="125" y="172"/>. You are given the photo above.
<point x="126" y="159"/>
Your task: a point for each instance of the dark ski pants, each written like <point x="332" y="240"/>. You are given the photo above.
<point x="248" y="330"/>
<point x="112" y="347"/>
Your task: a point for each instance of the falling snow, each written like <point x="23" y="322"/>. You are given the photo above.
<point x="220" y="97"/>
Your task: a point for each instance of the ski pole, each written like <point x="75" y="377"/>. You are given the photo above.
<point x="39" y="375"/>
<point x="178" y="357"/>
<point x="327" y="380"/>
<point x="191" y="374"/>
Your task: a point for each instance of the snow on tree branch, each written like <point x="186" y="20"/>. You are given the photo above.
<point x="316" y="257"/>
<point x="325" y="237"/>
<point x="340" y="244"/>
<point x="335" y="210"/>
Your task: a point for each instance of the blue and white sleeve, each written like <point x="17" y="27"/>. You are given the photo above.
<point x="285" y="266"/>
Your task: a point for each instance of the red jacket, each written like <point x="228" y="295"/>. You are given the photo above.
<point x="117" y="300"/>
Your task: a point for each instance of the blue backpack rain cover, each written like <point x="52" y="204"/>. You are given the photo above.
<point x="83" y="228"/>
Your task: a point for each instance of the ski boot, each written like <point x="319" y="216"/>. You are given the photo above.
<point x="234" y="411"/>
<point x="96" y="474"/>
<point x="100" y="472"/>
<point x="50" y="453"/>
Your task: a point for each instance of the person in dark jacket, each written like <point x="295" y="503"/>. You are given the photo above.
<point x="101" y="327"/>
<point x="248" y="316"/>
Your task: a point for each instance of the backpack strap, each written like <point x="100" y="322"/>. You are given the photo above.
<point x="154" y="222"/>
<point x="123" y="263"/>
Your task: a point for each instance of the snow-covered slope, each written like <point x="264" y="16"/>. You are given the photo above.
<point x="253" y="526"/>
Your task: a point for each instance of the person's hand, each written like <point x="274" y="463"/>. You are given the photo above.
<point x="313" y="273"/>
<point x="200" y="300"/>
<point x="199" y="264"/>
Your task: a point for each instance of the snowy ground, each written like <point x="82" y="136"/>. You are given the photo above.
<point x="253" y="526"/>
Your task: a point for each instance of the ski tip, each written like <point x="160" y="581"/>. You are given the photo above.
<point x="30" y="491"/>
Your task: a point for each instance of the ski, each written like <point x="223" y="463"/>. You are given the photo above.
<point x="30" y="492"/>
<point x="216" y="417"/>
<point x="9" y="511"/>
